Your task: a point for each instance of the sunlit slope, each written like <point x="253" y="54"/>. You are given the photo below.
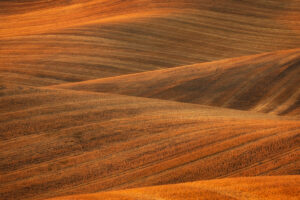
<point x="49" y="42"/>
<point x="40" y="16"/>
<point x="60" y="142"/>
<point x="13" y="7"/>
<point x="251" y="188"/>
<point x="266" y="82"/>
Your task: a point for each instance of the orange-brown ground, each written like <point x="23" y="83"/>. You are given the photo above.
<point x="266" y="82"/>
<point x="258" y="188"/>
<point x="101" y="95"/>
<point x="50" y="42"/>
<point x="60" y="142"/>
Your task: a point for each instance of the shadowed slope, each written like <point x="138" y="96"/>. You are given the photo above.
<point x="267" y="83"/>
<point x="57" y="141"/>
<point x="83" y="40"/>
<point x="60" y="142"/>
<point x="275" y="188"/>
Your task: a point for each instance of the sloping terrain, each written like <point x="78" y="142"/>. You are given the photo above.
<point x="275" y="188"/>
<point x="40" y="16"/>
<point x="266" y="82"/>
<point x="60" y="142"/>
<point x="102" y="95"/>
<point x="50" y="42"/>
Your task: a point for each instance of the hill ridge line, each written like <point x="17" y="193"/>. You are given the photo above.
<point x="263" y="82"/>
<point x="174" y="68"/>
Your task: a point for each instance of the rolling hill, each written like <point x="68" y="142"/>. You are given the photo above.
<point x="276" y="188"/>
<point x="266" y="82"/>
<point x="60" y="142"/>
<point x="107" y="95"/>
<point x="50" y="42"/>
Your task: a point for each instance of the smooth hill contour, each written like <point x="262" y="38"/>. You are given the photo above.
<point x="61" y="142"/>
<point x="266" y="82"/>
<point x="50" y="42"/>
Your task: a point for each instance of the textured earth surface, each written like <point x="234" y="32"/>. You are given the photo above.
<point x="108" y="95"/>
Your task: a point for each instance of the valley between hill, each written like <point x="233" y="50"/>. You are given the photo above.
<point x="108" y="95"/>
<point x="266" y="82"/>
<point x="59" y="142"/>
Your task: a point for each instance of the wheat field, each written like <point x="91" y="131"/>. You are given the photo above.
<point x="149" y="99"/>
<point x="254" y="188"/>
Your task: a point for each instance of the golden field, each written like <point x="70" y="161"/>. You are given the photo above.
<point x="59" y="142"/>
<point x="266" y="82"/>
<point x="149" y="99"/>
<point x="271" y="187"/>
<point x="50" y="42"/>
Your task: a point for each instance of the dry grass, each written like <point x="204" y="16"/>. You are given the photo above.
<point x="56" y="142"/>
<point x="95" y="40"/>
<point x="60" y="142"/>
<point x="271" y="188"/>
<point x="266" y="82"/>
